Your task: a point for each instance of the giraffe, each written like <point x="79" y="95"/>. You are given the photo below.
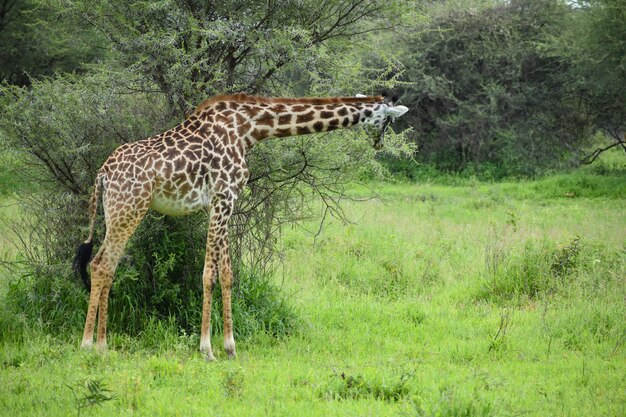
<point x="201" y="165"/>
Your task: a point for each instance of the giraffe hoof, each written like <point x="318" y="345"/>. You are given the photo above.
<point x="232" y="354"/>
<point x="229" y="347"/>
<point x="86" y="344"/>
<point x="209" y="357"/>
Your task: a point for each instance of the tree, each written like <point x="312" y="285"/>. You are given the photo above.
<point x="596" y="43"/>
<point x="485" y="94"/>
<point x="33" y="46"/>
<point x="165" y="58"/>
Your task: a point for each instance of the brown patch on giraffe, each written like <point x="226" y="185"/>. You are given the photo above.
<point x="251" y="111"/>
<point x="204" y="131"/>
<point x="304" y="118"/>
<point x="318" y="126"/>
<point x="266" y="119"/>
<point x="333" y="122"/>
<point x="346" y="122"/>
<point x="303" y="130"/>
<point x="243" y="129"/>
<point x="220" y="131"/>
<point x="185" y="188"/>
<point x="342" y="111"/>
<point x="195" y="125"/>
<point x="220" y="118"/>
<point x="191" y="155"/>
<point x="259" y="134"/>
<point x="179" y="164"/>
<point x="284" y="119"/>
<point x="326" y="114"/>
<point x="278" y="108"/>
<point x="281" y="133"/>
<point x="171" y="153"/>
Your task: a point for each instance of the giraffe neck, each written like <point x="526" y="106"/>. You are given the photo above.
<point x="256" y="119"/>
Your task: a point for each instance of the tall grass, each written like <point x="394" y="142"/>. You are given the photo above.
<point x="537" y="269"/>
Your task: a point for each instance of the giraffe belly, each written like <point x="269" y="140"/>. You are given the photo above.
<point x="191" y="203"/>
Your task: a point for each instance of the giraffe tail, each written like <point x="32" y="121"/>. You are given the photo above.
<point x="85" y="249"/>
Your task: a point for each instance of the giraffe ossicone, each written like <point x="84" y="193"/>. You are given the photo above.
<point x="200" y="165"/>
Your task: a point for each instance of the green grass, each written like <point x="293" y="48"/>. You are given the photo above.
<point x="482" y="299"/>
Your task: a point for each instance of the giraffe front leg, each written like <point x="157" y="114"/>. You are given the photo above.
<point x="226" y="282"/>
<point x="222" y="209"/>
<point x="208" y="281"/>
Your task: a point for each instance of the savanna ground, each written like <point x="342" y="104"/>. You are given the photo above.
<point x="455" y="299"/>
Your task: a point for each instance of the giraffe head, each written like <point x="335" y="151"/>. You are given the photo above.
<point x="382" y="115"/>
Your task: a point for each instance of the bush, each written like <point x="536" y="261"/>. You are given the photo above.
<point x="56" y="305"/>
<point x="351" y="387"/>
<point x="542" y="268"/>
<point x="172" y="251"/>
<point x="485" y="97"/>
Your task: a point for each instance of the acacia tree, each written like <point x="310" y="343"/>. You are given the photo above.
<point x="596" y="43"/>
<point x="164" y="58"/>
<point x="31" y="47"/>
<point x="486" y="95"/>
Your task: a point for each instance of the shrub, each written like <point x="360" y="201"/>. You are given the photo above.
<point x="173" y="254"/>
<point x="541" y="268"/>
<point x="350" y="387"/>
<point x="512" y="275"/>
<point x="451" y="403"/>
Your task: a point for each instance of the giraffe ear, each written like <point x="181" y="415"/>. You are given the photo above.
<point x="396" y="111"/>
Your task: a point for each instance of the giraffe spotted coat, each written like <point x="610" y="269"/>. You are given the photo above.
<point x="200" y="165"/>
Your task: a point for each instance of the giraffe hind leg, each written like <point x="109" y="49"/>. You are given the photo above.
<point x="121" y="224"/>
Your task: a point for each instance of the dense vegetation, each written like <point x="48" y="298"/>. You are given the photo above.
<point x="458" y="296"/>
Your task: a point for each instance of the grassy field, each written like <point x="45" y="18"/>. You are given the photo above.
<point x="502" y="299"/>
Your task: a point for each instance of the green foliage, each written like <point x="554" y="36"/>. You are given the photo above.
<point x="349" y="387"/>
<point x="10" y="165"/>
<point x="570" y="186"/>
<point x="233" y="380"/>
<point x="541" y="269"/>
<point x="453" y="404"/>
<point x="47" y="300"/>
<point x="485" y="97"/>
<point x="171" y="294"/>
<point x="520" y="275"/>
<point x="192" y="50"/>
<point x="90" y="393"/>
<point x="595" y="42"/>
<point x="34" y="45"/>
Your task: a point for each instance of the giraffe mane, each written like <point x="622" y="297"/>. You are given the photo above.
<point x="245" y="98"/>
